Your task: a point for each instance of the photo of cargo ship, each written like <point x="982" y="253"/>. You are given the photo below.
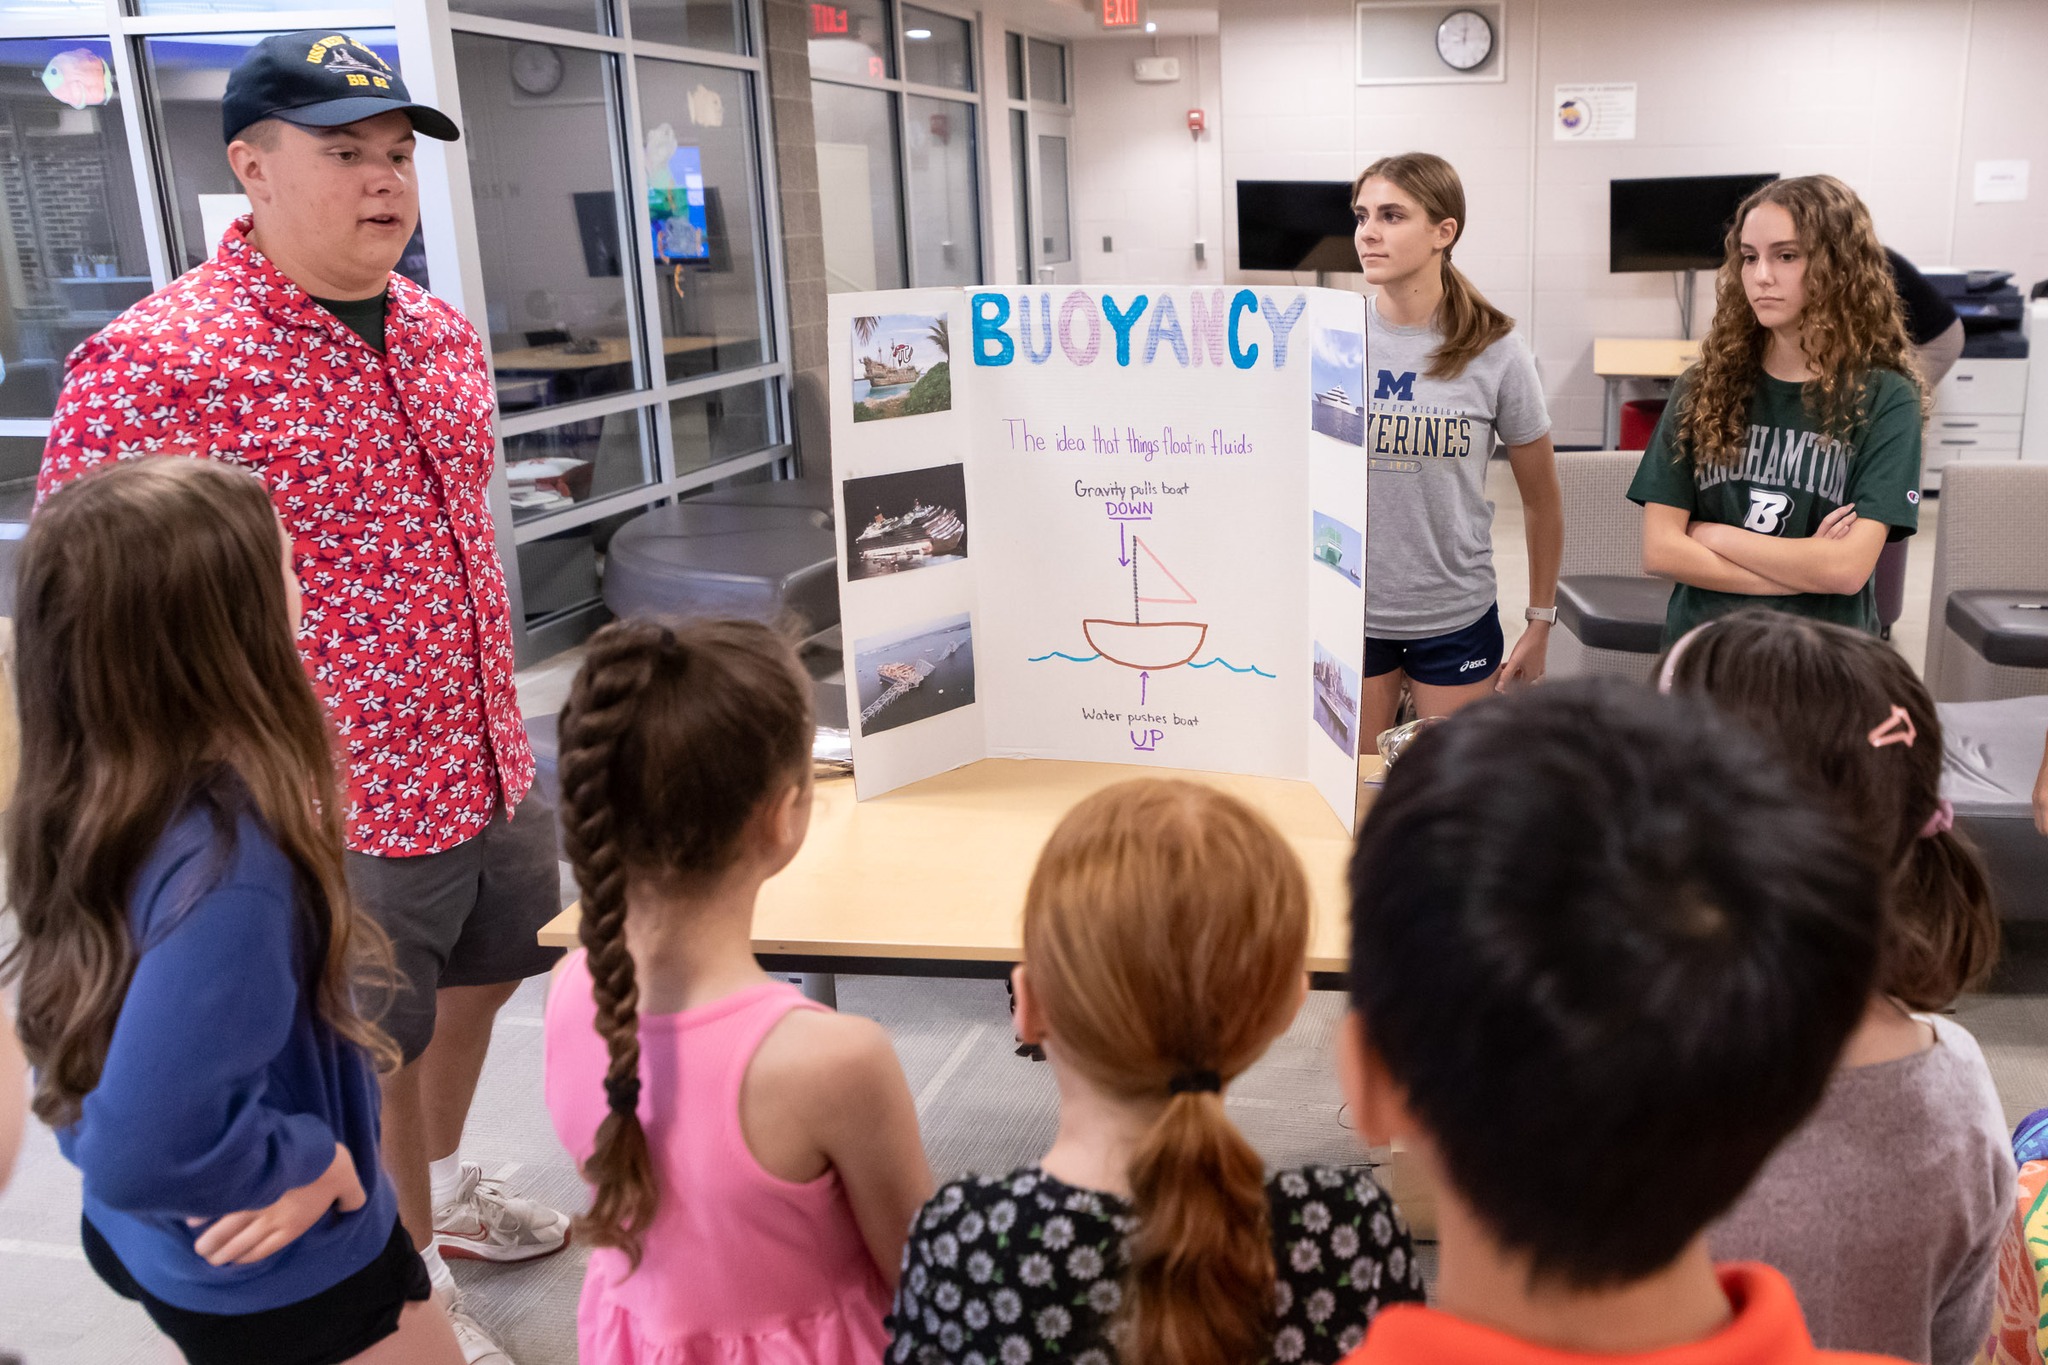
<point x="912" y="520"/>
<point x="923" y="672"/>
<point x="1336" y="700"/>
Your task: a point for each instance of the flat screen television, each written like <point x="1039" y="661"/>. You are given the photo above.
<point x="1295" y="225"/>
<point x="1673" y="222"/>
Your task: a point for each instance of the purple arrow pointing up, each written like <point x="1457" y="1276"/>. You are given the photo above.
<point x="1144" y="680"/>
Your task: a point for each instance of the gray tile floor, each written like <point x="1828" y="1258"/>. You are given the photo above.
<point x="982" y="1108"/>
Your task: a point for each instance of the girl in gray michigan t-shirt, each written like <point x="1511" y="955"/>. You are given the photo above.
<point x="1446" y="378"/>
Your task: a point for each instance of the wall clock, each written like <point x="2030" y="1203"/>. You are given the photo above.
<point x="1464" y="39"/>
<point x="537" y="68"/>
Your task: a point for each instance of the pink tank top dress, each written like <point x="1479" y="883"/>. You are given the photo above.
<point x="739" y="1266"/>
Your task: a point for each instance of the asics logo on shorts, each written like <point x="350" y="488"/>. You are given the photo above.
<point x="1471" y="664"/>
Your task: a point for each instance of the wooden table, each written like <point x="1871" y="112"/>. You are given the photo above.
<point x="610" y="351"/>
<point x="1618" y="358"/>
<point x="929" y="880"/>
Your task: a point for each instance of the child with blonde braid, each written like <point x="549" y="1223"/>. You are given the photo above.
<point x="1165" y="936"/>
<point x="754" y="1157"/>
<point x="1886" y="1208"/>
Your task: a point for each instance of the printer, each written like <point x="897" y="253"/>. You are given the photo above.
<point x="1992" y="311"/>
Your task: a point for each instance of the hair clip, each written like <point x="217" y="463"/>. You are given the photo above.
<point x="1897" y="729"/>
<point x="1942" y="821"/>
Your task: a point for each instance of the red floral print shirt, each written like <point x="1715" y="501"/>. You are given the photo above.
<point x="379" y="466"/>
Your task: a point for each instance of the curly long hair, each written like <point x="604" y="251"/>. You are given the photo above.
<point x="155" y="668"/>
<point x="1165" y="932"/>
<point x="671" y="741"/>
<point x="1852" y="324"/>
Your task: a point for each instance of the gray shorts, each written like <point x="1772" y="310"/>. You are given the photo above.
<point x="466" y="916"/>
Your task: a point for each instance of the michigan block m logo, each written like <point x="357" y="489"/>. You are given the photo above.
<point x="1400" y="389"/>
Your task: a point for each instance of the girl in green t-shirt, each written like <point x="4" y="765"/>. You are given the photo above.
<point x="1791" y="452"/>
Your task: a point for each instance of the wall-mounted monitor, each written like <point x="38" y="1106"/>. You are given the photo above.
<point x="1295" y="225"/>
<point x="1673" y="222"/>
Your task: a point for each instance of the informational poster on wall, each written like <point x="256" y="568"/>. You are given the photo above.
<point x="1119" y="525"/>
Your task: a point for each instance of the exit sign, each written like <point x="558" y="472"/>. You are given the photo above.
<point x="1122" y="13"/>
<point x="828" y="21"/>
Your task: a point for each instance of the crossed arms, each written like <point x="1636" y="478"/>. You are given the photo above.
<point x="1837" y="558"/>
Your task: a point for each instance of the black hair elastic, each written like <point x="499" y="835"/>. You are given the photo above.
<point x="1195" y="1082"/>
<point x="623" y="1095"/>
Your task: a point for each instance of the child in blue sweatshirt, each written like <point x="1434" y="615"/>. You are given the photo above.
<point x="189" y="957"/>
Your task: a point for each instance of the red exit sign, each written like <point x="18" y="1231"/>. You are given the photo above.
<point x="1122" y="13"/>
<point x="828" y="21"/>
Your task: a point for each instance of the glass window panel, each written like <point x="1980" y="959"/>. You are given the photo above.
<point x="550" y="226"/>
<point x="92" y="12"/>
<point x="263" y="7"/>
<point x="858" y="190"/>
<point x="852" y="39"/>
<point x="20" y="458"/>
<point x="1057" y="248"/>
<point x="937" y="49"/>
<point x="1020" y="186"/>
<point x="584" y="16"/>
<point x="945" y="208"/>
<point x="1013" y="51"/>
<point x="188" y="75"/>
<point x="71" y="247"/>
<point x="713" y="427"/>
<point x="560" y="573"/>
<point x="690" y="23"/>
<point x="697" y="129"/>
<point x="1048" y="71"/>
<point x="550" y="470"/>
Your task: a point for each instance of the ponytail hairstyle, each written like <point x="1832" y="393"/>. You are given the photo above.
<point x="1852" y="324"/>
<point x="1847" y="715"/>
<point x="672" y="741"/>
<point x="155" y="670"/>
<point x="1468" y="323"/>
<point x="1165" y="937"/>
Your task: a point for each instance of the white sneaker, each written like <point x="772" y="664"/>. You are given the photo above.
<point x="483" y="1223"/>
<point x="477" y="1346"/>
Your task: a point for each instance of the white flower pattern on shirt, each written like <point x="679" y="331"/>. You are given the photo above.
<point x="1043" y="1282"/>
<point x="380" y="467"/>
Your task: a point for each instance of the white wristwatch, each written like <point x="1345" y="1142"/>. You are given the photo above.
<point x="1547" y="615"/>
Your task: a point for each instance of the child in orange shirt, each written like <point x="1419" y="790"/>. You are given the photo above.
<point x="1604" y="957"/>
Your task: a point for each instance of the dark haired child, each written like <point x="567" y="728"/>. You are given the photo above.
<point x="1603" y="958"/>
<point x="754" y="1156"/>
<point x="1886" y="1208"/>
<point x="189" y="953"/>
<point x="1165" y="931"/>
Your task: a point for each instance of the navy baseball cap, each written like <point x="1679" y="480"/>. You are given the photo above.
<point x="318" y="79"/>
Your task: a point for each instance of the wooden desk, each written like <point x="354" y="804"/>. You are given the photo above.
<point x="1618" y="358"/>
<point x="610" y="351"/>
<point x="929" y="880"/>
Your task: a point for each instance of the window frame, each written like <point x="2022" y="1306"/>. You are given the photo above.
<point x="900" y="91"/>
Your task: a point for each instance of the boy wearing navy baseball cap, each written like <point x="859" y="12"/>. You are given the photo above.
<point x="321" y="80"/>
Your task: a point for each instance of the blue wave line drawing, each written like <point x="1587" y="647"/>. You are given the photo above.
<point x="1219" y="659"/>
<point x="1070" y="658"/>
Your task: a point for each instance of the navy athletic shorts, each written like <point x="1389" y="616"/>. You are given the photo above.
<point x="1471" y="655"/>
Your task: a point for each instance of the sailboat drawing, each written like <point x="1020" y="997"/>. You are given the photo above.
<point x="1142" y="644"/>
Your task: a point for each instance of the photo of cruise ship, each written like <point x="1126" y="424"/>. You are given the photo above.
<point x="1337" y="372"/>
<point x="912" y="520"/>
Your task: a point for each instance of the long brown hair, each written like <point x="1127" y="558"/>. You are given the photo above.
<point x="1468" y="323"/>
<point x="672" y="740"/>
<point x="155" y="668"/>
<point x="1852" y="324"/>
<point x="1817" y="694"/>
<point x="1165" y="935"/>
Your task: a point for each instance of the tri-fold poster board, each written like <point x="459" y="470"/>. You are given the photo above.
<point x="1120" y="525"/>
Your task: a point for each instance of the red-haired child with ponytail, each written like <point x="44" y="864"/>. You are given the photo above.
<point x="754" y="1157"/>
<point x="1165" y="933"/>
<point x="1886" y="1208"/>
